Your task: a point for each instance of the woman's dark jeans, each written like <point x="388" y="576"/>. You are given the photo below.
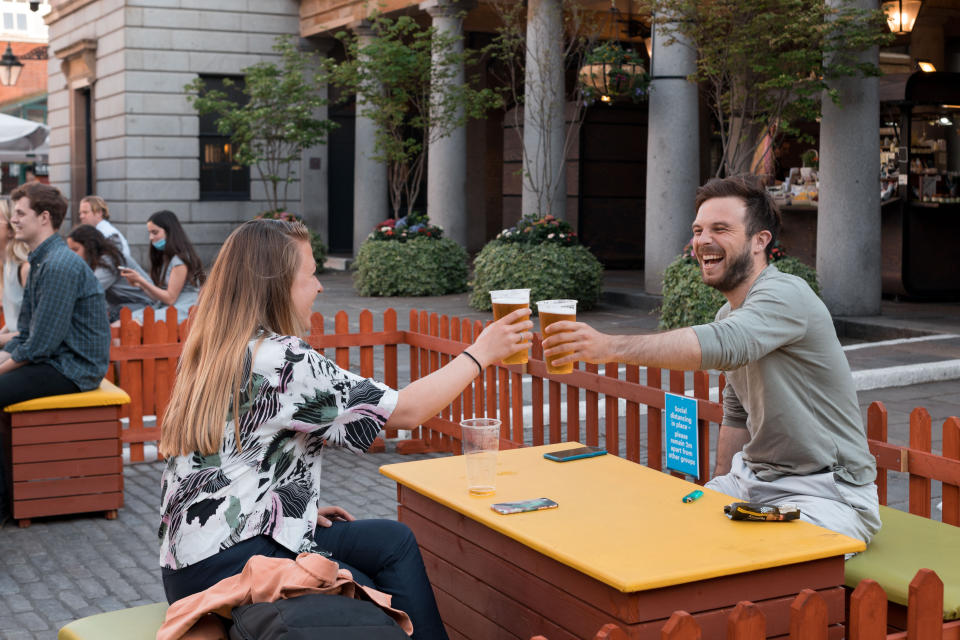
<point x="382" y="554"/>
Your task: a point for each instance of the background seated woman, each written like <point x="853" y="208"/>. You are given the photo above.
<point x="106" y="260"/>
<point x="15" y="268"/>
<point x="176" y="273"/>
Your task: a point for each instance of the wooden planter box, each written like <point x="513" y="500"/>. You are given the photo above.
<point x="66" y="455"/>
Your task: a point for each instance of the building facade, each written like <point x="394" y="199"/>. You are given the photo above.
<point x="121" y="125"/>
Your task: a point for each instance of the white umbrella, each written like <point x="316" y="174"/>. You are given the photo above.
<point x="17" y="134"/>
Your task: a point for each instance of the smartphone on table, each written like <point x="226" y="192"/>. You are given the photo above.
<point x="522" y="506"/>
<point x="576" y="453"/>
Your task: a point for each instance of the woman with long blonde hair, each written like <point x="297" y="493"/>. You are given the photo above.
<point x="15" y="268"/>
<point x="254" y="406"/>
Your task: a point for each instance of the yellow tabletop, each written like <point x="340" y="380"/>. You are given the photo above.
<point x="620" y="522"/>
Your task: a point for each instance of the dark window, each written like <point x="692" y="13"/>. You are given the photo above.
<point x="220" y="177"/>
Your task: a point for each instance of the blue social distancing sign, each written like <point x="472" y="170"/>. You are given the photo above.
<point x="680" y="416"/>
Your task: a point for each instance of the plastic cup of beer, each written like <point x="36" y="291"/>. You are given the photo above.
<point x="551" y="311"/>
<point x="505" y="301"/>
<point x="481" y="443"/>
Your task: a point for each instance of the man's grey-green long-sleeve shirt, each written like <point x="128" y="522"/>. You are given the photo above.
<point x="788" y="382"/>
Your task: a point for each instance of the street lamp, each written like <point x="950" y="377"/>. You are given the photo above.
<point x="901" y="14"/>
<point x="10" y="68"/>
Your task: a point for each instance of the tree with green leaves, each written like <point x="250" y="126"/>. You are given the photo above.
<point x="276" y="120"/>
<point x="766" y="64"/>
<point x="394" y="76"/>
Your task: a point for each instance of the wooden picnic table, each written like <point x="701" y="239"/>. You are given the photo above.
<point x="622" y="547"/>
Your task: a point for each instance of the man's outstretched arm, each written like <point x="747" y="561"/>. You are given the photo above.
<point x="678" y="349"/>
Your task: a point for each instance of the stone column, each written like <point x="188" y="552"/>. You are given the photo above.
<point x="447" y="156"/>
<point x="314" y="161"/>
<point x="370" y="201"/>
<point x="673" y="155"/>
<point x="848" y="220"/>
<point x="544" y="126"/>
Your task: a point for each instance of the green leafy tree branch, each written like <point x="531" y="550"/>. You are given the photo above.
<point x="402" y="78"/>
<point x="765" y="65"/>
<point x="276" y="121"/>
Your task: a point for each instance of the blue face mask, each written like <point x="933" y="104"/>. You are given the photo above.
<point x="160" y="244"/>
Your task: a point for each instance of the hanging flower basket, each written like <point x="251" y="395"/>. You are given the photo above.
<point x="611" y="72"/>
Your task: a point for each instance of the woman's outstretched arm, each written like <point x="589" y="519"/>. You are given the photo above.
<point x="424" y="398"/>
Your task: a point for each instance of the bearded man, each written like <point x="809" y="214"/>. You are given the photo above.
<point x="791" y="430"/>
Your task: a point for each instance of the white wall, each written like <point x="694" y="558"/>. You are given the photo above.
<point x="147" y="152"/>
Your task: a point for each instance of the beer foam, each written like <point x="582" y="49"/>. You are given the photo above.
<point x="510" y="296"/>
<point x="557" y="306"/>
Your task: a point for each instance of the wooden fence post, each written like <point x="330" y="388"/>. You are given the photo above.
<point x="920" y="426"/>
<point x="925" y="606"/>
<point x="877" y="430"/>
<point x="654" y="424"/>
<point x="747" y="622"/>
<point x="868" y="612"/>
<point x="951" y="492"/>
<point x="610" y="631"/>
<point x="681" y="626"/>
<point x="808" y="616"/>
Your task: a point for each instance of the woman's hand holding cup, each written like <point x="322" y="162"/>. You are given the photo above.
<point x="504" y="337"/>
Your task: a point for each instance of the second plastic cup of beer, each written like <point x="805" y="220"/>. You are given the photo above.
<point x="505" y="301"/>
<point x="553" y="311"/>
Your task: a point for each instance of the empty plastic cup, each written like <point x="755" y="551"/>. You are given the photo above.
<point x="481" y="442"/>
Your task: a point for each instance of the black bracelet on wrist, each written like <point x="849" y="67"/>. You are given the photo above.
<point x="475" y="361"/>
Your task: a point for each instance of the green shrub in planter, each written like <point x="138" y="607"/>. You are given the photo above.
<point x="316" y="243"/>
<point x="540" y="254"/>
<point x="401" y="259"/>
<point x="687" y="301"/>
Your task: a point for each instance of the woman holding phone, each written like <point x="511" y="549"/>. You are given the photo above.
<point x="252" y="410"/>
<point x="176" y="273"/>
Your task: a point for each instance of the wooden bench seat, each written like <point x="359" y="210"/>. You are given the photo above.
<point x="905" y="544"/>
<point x="65" y="454"/>
<point x="135" y="623"/>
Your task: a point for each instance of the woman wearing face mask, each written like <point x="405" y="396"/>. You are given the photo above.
<point x="175" y="269"/>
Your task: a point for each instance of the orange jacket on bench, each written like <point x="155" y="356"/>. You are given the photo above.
<point x="266" y="579"/>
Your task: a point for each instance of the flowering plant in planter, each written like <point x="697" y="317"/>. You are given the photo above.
<point x="409" y="257"/>
<point x="532" y="229"/>
<point x="316" y="242"/>
<point x="611" y="72"/>
<point x="415" y="225"/>
<point x="540" y="253"/>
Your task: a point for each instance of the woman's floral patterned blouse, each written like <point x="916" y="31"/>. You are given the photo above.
<point x="296" y="403"/>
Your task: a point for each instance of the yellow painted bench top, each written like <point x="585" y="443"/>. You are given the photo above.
<point x="105" y="395"/>
<point x="620" y="522"/>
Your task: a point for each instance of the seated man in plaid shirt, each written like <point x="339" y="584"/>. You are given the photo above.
<point x="64" y="341"/>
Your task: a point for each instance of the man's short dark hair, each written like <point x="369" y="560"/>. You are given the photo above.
<point x="762" y="211"/>
<point x="42" y="198"/>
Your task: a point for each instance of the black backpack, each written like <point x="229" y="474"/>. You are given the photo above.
<point x="314" y="616"/>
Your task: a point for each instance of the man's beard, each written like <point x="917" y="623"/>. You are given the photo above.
<point x="735" y="273"/>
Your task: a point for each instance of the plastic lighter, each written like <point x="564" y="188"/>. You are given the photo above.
<point x="693" y="495"/>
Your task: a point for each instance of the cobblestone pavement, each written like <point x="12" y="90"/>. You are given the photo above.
<point x="61" y="569"/>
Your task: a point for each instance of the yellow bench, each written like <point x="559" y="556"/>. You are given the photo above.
<point x="136" y="623"/>
<point x="65" y="454"/>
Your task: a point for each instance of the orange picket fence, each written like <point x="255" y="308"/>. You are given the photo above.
<point x="144" y="364"/>
<point x="866" y="617"/>
<point x="918" y="461"/>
